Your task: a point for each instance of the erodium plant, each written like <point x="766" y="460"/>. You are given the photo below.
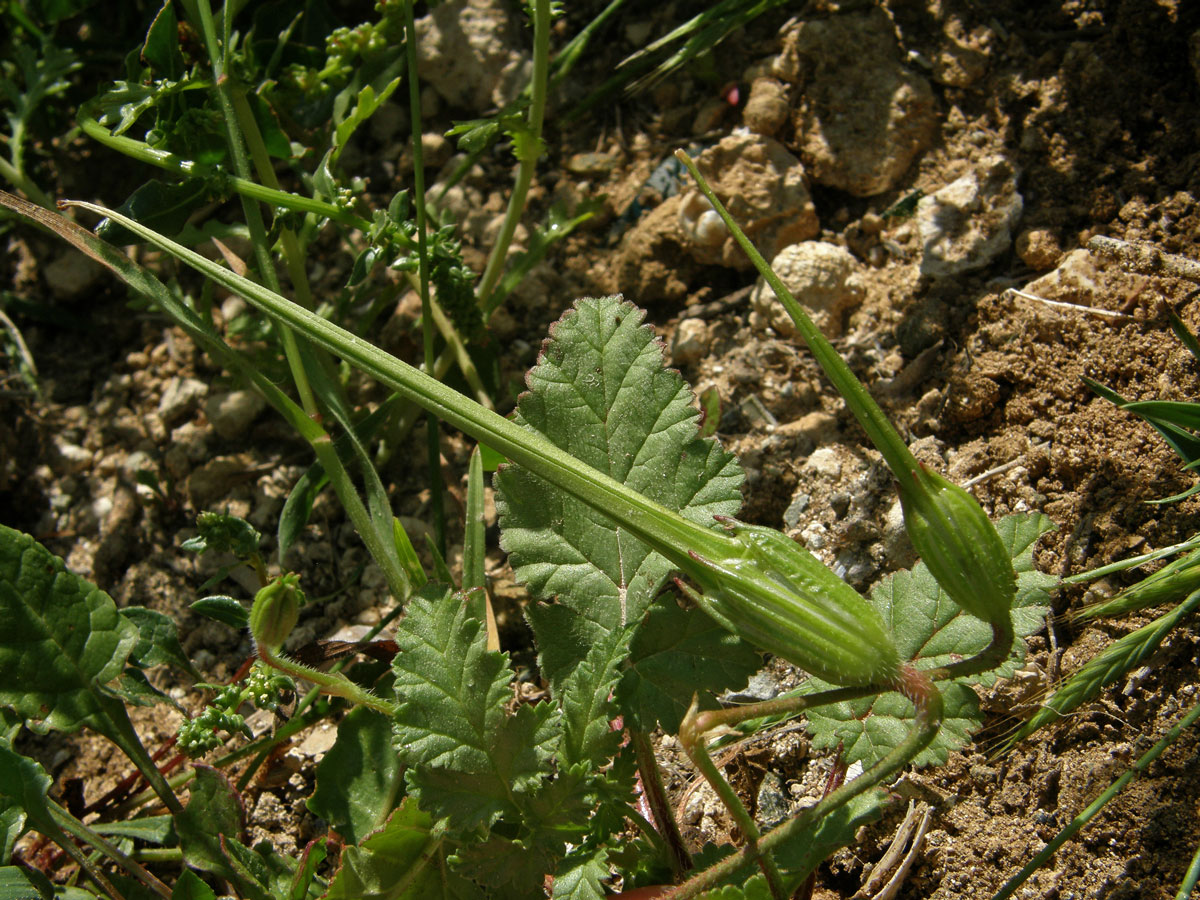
<point x="549" y="785"/>
<point x="439" y="784"/>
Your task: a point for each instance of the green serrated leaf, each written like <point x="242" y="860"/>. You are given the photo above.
<point x="677" y="654"/>
<point x="755" y="888"/>
<point x="602" y="392"/>
<point x="62" y="636"/>
<point x="158" y="641"/>
<point x="404" y="860"/>
<point x="468" y="756"/>
<point x="580" y="875"/>
<point x="359" y="778"/>
<point x="931" y="630"/>
<point x="517" y="764"/>
<point x="506" y="868"/>
<point x="869" y="728"/>
<point x="586" y="702"/>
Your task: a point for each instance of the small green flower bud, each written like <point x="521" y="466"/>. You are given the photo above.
<point x="779" y="597"/>
<point x="276" y="610"/>
<point x="956" y="540"/>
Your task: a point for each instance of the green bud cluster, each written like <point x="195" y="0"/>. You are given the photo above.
<point x="956" y="540"/>
<point x="261" y="687"/>
<point x="780" y="598"/>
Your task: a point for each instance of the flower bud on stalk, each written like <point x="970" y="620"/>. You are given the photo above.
<point x="779" y="597"/>
<point x="961" y="547"/>
<point x="276" y="610"/>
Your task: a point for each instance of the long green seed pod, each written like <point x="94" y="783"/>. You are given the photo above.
<point x="956" y="540"/>
<point x="778" y="596"/>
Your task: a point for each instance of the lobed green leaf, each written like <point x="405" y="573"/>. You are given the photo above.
<point x="468" y="757"/>
<point x="602" y="393"/>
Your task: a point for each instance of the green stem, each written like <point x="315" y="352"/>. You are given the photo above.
<point x="529" y="151"/>
<point x="693" y="744"/>
<point x="330" y="682"/>
<point x="1190" y="878"/>
<point x="880" y="431"/>
<point x="1077" y="824"/>
<point x="122" y="734"/>
<point x="53" y="829"/>
<point x="914" y="685"/>
<point x="23" y="183"/>
<point x="218" y="52"/>
<point x="433" y="445"/>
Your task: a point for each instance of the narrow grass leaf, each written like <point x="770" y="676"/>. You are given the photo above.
<point x="1110" y="665"/>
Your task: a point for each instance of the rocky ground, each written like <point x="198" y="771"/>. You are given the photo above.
<point x="1027" y="130"/>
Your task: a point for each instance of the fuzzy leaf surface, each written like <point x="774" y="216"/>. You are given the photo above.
<point x="358" y="779"/>
<point x="931" y="630"/>
<point x="601" y="392"/>
<point x="586" y="703"/>
<point x="467" y="757"/>
<point x="62" y="636"/>
<point x="580" y="875"/>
